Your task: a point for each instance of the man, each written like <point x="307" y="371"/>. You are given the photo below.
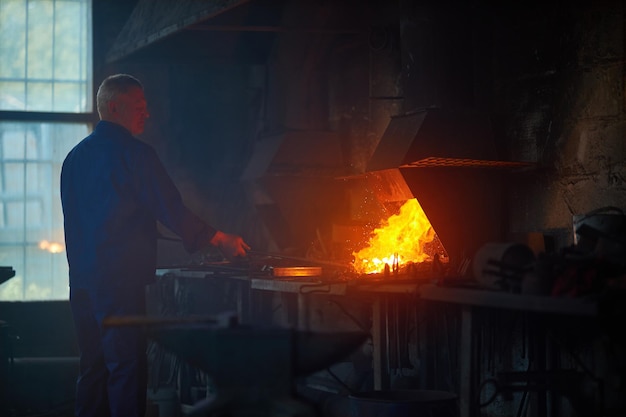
<point x="113" y="191"/>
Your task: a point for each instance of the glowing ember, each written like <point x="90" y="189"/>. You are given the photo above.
<point x="52" y="247"/>
<point x="397" y="242"/>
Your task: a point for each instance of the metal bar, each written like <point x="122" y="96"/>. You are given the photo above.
<point x="279" y="29"/>
<point x="302" y="301"/>
<point x="32" y="116"/>
<point x="293" y="258"/>
<point x="498" y="299"/>
<point x="465" y="361"/>
<point x="226" y="319"/>
<point x="380" y="337"/>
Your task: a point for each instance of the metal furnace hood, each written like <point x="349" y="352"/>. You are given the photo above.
<point x="291" y="179"/>
<point x="435" y="137"/>
<point x="446" y="160"/>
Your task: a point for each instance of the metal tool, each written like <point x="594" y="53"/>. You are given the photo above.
<point x="299" y="260"/>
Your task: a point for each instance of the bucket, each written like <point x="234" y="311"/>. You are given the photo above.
<point x="404" y="403"/>
<point x="609" y="221"/>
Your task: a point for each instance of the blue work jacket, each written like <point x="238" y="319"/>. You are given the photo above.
<point x="114" y="188"/>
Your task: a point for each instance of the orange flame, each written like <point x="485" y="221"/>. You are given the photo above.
<point x="398" y="241"/>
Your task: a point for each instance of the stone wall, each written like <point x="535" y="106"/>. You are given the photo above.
<point x="560" y="92"/>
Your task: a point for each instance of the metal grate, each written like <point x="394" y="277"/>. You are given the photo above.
<point x="464" y="162"/>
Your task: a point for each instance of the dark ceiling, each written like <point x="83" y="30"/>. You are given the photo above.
<point x="160" y="29"/>
<point x="240" y="31"/>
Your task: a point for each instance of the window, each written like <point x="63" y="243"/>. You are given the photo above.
<point x="45" y="99"/>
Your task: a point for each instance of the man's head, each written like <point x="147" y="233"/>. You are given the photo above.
<point x="120" y="100"/>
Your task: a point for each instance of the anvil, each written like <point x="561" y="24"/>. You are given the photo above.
<point x="251" y="367"/>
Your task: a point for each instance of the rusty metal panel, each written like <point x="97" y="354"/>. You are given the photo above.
<point x="396" y="142"/>
<point x="389" y="185"/>
<point x="309" y="153"/>
<point x="264" y="152"/>
<point x="296" y="171"/>
<point x="467" y="207"/>
<point x="434" y="134"/>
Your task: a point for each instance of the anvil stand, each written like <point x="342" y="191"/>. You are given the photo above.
<point x="252" y="368"/>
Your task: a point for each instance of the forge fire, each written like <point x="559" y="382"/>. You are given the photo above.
<point x="402" y="239"/>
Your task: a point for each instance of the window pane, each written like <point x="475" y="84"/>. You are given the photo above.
<point x="15" y="218"/>
<point x="12" y="26"/>
<point x="68" y="39"/>
<point x="40" y="285"/>
<point x="38" y="96"/>
<point x="40" y="39"/>
<point x="31" y="228"/>
<point x="34" y="177"/>
<point x="45" y="48"/>
<point x="13" y="289"/>
<point x="14" y="177"/>
<point x="13" y="144"/>
<point x="12" y="94"/>
<point x="64" y="96"/>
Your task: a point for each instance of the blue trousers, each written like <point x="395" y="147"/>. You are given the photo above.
<point x="113" y="364"/>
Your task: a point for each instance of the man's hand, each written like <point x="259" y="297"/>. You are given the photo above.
<point x="231" y="246"/>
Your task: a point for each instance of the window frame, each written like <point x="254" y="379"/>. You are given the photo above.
<point x="89" y="118"/>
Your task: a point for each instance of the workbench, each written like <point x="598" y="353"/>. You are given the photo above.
<point x="468" y="299"/>
<point x="378" y="295"/>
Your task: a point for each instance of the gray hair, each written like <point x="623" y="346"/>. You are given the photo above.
<point x="111" y="87"/>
